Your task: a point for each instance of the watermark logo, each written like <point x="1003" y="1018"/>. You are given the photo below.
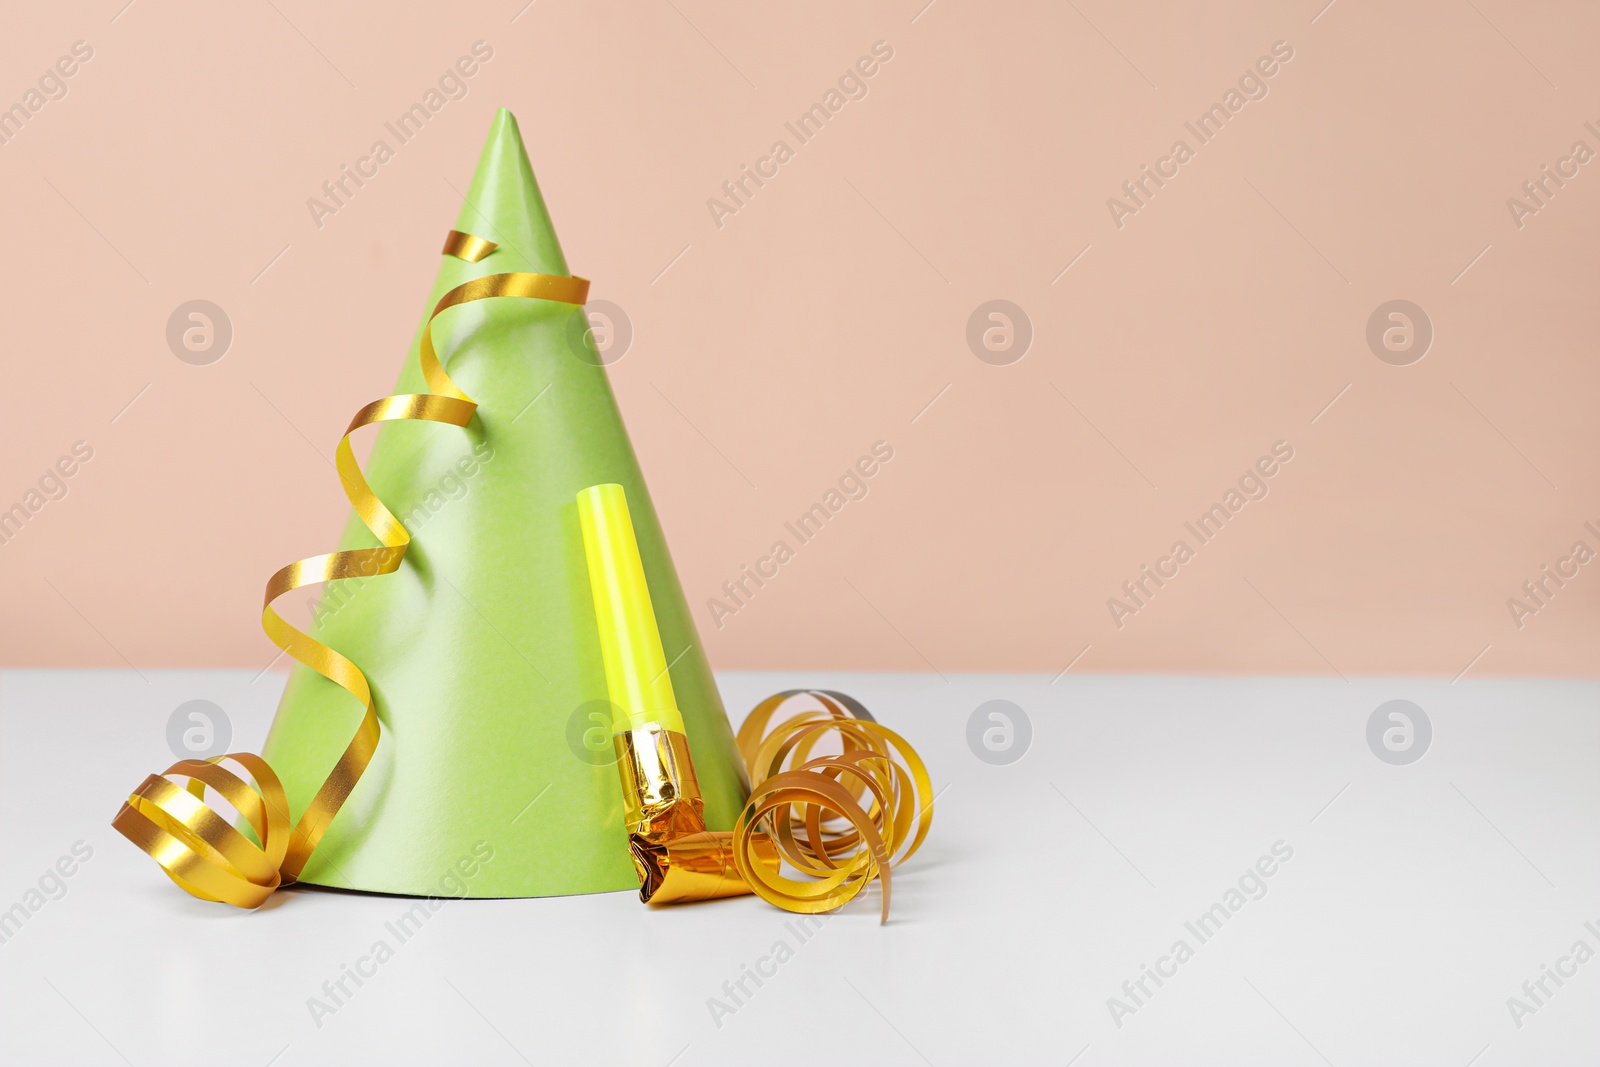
<point x="852" y="85"/>
<point x="852" y="485"/>
<point x="1399" y="332"/>
<point x="1252" y="486"/>
<point x="1537" y="992"/>
<point x="999" y="332"/>
<point x="199" y="332"/>
<point x="50" y="886"/>
<point x="453" y="84"/>
<point x="453" y="484"/>
<point x="602" y="335"/>
<point x="999" y="732"/>
<point x="740" y="989"/>
<point x="1399" y="732"/>
<point x="1542" y="188"/>
<point x="1252" y="884"/>
<point x="338" y="990"/>
<point x="590" y="728"/>
<point x="198" y="729"/>
<point x="52" y="486"/>
<point x="50" y="87"/>
<point x="1252" y="85"/>
<point x="1539" y="591"/>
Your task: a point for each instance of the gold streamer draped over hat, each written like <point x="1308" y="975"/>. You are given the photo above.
<point x="198" y="848"/>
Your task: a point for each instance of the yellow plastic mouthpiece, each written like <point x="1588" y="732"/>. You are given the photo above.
<point x="630" y="643"/>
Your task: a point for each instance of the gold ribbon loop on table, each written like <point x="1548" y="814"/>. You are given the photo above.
<point x="199" y="849"/>
<point x="812" y="807"/>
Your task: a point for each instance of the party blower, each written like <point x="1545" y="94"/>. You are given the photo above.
<point x="676" y="857"/>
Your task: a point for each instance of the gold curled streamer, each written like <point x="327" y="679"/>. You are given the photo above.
<point x="199" y="849"/>
<point x="842" y="819"/>
<point x="466" y="246"/>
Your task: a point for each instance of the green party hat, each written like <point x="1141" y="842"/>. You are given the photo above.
<point x="494" y="775"/>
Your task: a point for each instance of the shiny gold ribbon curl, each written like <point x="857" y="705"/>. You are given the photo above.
<point x="842" y="819"/>
<point x="199" y="849"/>
<point x="466" y="246"/>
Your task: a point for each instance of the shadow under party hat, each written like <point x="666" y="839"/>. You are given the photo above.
<point x="495" y="754"/>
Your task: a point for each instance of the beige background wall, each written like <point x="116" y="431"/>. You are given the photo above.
<point x="831" y="312"/>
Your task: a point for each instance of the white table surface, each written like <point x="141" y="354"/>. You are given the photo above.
<point x="1418" y="899"/>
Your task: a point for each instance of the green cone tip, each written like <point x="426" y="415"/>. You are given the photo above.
<point x="504" y="204"/>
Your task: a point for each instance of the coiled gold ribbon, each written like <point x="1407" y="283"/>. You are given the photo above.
<point x="199" y="849"/>
<point x="813" y="807"/>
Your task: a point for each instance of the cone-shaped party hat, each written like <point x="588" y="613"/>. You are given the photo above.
<point x="494" y="774"/>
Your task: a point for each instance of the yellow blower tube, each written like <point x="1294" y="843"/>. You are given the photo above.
<point x="630" y="643"/>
